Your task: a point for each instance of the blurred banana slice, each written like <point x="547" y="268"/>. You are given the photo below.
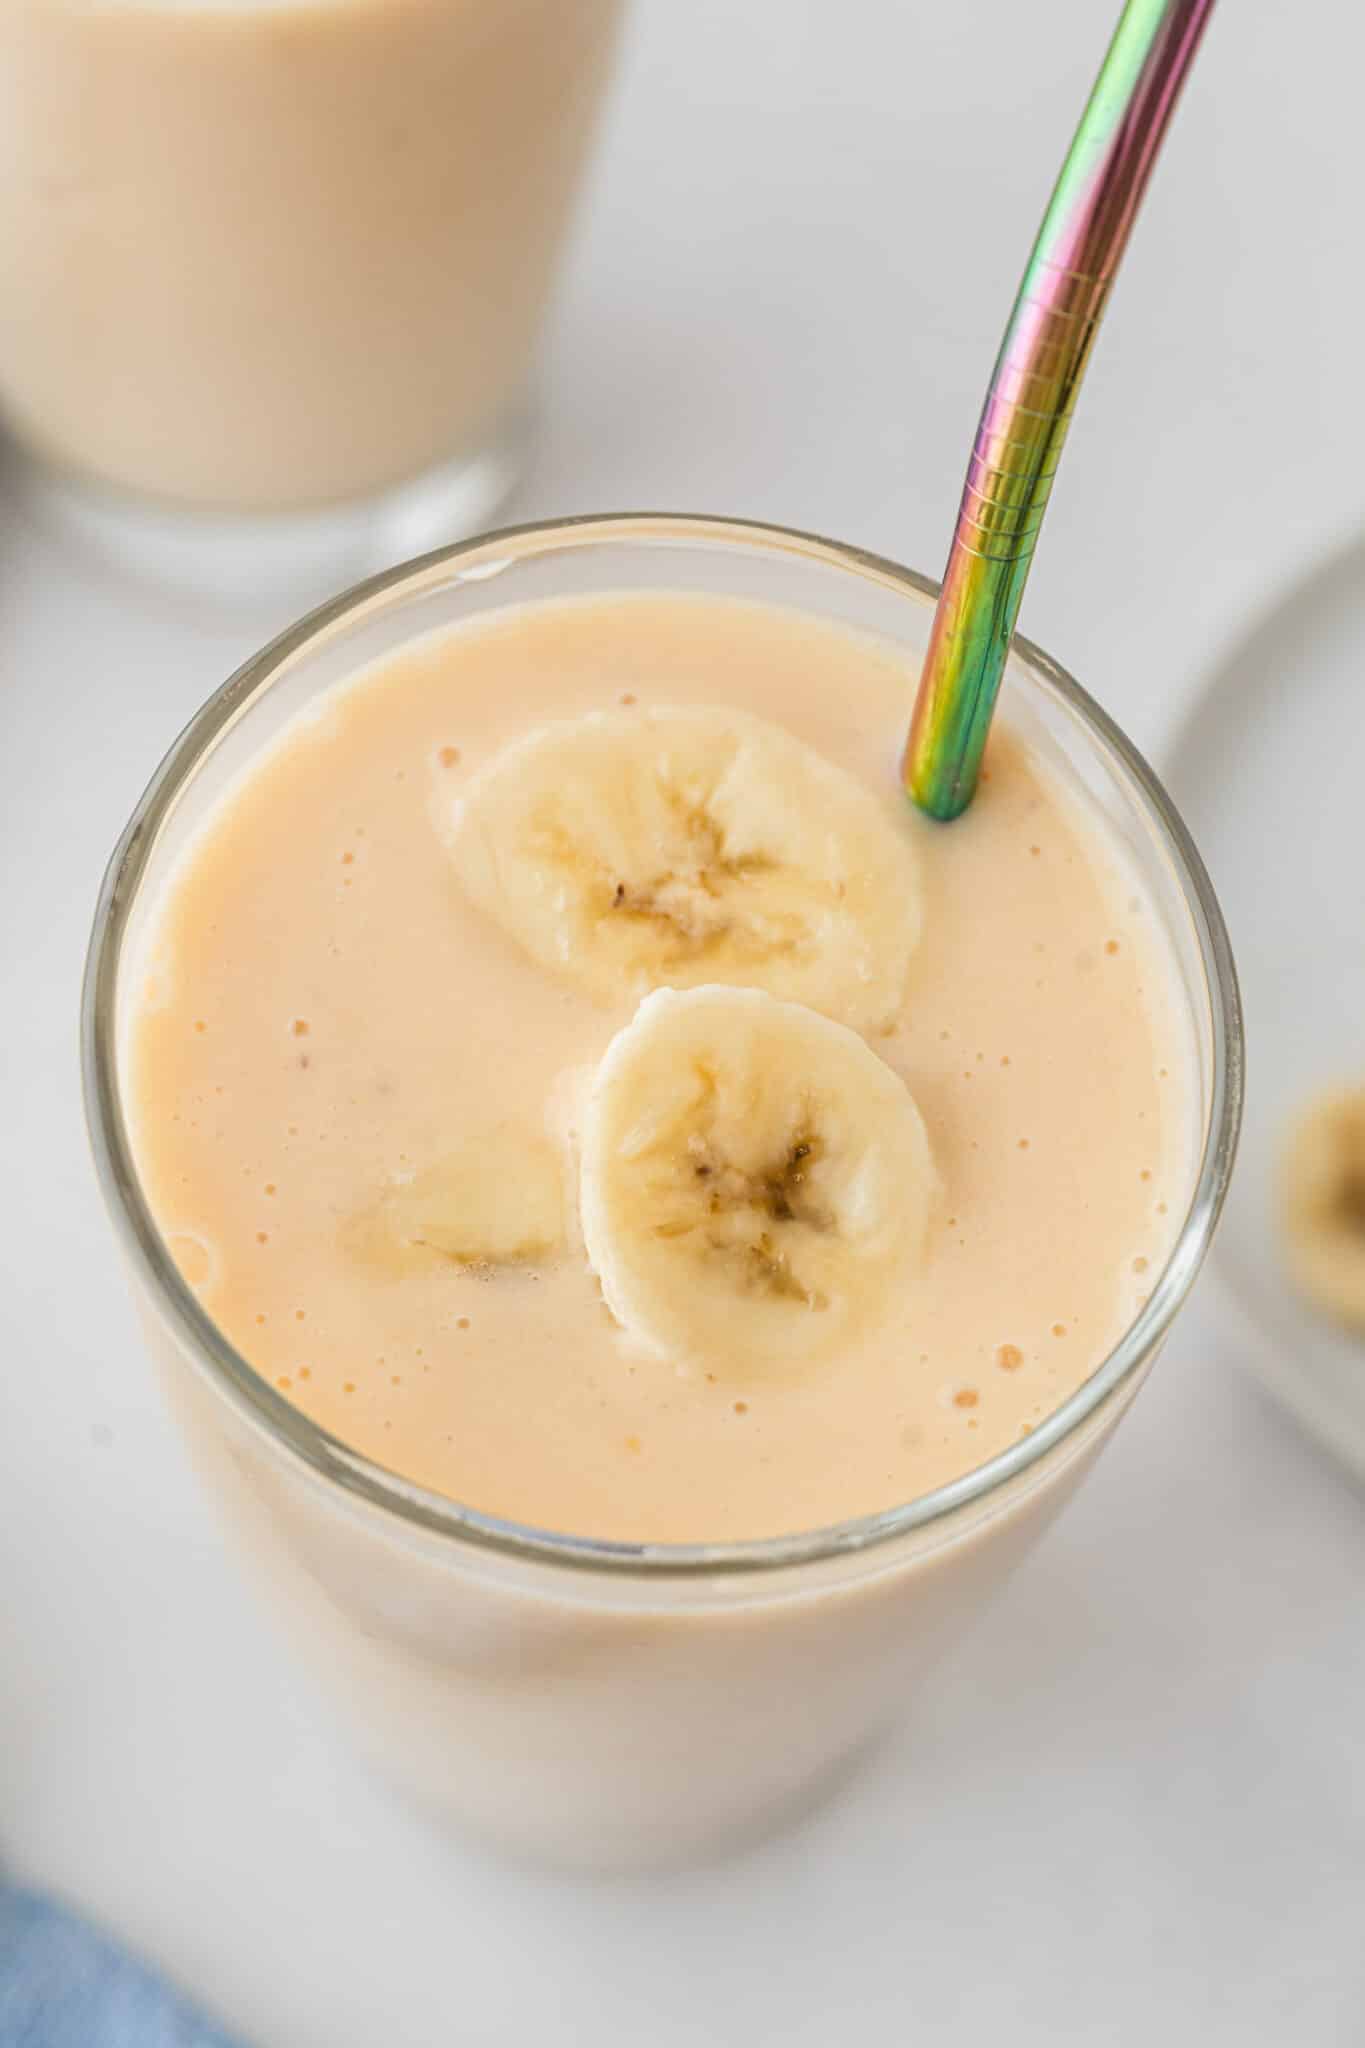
<point x="755" y="1181"/>
<point x="632" y="850"/>
<point x="1324" y="1205"/>
<point x="498" y="1200"/>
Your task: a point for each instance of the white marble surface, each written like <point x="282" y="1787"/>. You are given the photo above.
<point x="1134" y="1806"/>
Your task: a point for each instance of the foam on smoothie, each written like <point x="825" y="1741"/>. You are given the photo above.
<point x="326" y="1016"/>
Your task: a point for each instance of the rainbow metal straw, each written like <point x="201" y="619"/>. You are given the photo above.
<point x="1033" y="391"/>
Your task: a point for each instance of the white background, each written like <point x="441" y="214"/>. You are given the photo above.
<point x="1134" y="1808"/>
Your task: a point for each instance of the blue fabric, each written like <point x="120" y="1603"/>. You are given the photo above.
<point x="62" y="1985"/>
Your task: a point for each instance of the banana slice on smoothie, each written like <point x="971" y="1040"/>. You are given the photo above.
<point x="755" y="1182"/>
<point x="674" y="847"/>
<point x="1324" y="1205"/>
<point x="497" y="1200"/>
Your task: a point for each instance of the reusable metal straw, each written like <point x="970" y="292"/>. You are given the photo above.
<point x="1032" y="393"/>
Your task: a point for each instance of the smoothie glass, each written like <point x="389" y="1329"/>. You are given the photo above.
<point x="272" y="272"/>
<point x="611" y="1703"/>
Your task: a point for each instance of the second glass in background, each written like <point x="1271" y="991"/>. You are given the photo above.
<point x="272" y="275"/>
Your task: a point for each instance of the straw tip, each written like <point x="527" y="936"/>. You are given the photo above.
<point x="941" y="806"/>
<point x="942" y="789"/>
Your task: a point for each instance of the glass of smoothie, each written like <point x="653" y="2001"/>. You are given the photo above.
<point x="272" y="272"/>
<point x="642" y="1229"/>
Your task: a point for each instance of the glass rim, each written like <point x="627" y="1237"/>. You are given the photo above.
<point x="332" y="1460"/>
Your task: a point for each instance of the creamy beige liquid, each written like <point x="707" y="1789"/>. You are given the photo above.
<point x="262" y="254"/>
<point x="324" y="1011"/>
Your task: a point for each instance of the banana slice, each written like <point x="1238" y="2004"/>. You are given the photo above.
<point x="1324" y="1205"/>
<point x="633" y="850"/>
<point x="755" y="1181"/>
<point x="497" y="1201"/>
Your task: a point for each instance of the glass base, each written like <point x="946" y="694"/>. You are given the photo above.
<point x="302" y="556"/>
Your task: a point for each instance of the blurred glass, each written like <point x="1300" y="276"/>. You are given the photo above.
<point x="272" y="272"/>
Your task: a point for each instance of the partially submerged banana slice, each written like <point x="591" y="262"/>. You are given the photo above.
<point x="755" y="1181"/>
<point x="632" y="850"/>
<point x="497" y="1200"/>
<point x="1324" y="1205"/>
